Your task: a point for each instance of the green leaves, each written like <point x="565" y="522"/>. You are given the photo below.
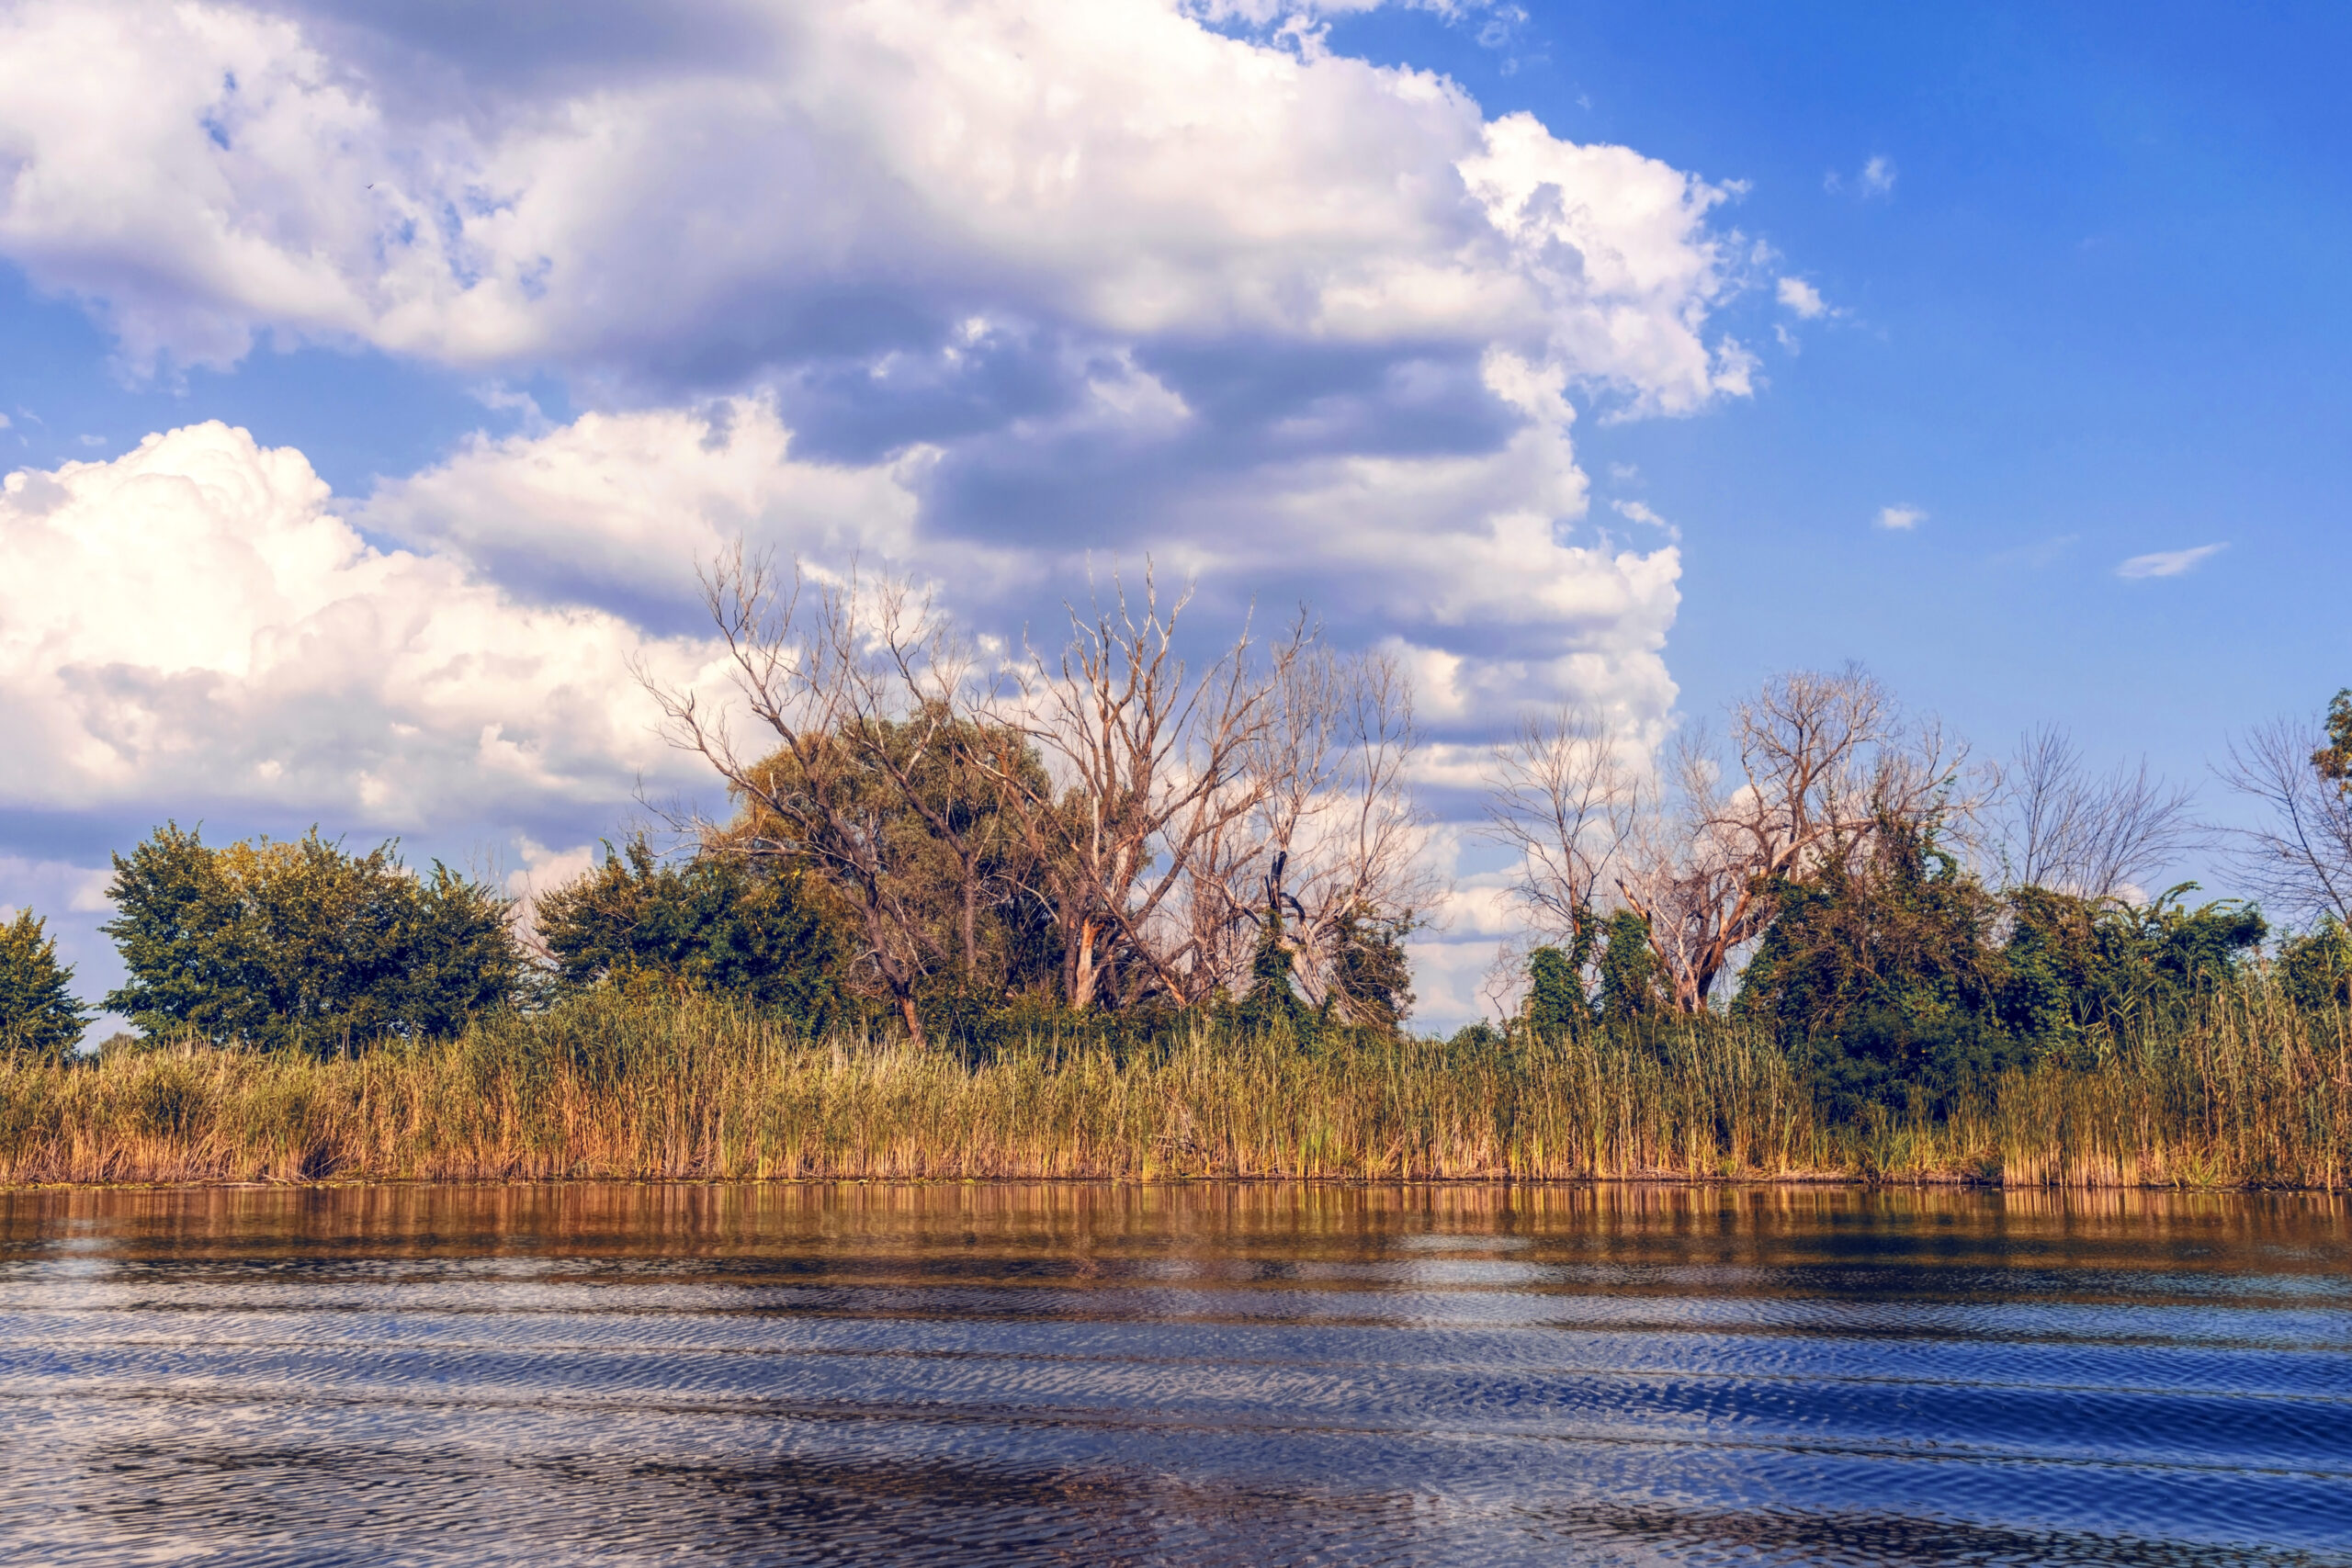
<point x="715" y="924"/>
<point x="302" y="944"/>
<point x="2334" y="760"/>
<point x="38" y="1017"/>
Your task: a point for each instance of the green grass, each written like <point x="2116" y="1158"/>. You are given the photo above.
<point x="2249" y="1093"/>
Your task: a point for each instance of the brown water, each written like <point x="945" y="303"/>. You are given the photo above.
<point x="1214" y="1374"/>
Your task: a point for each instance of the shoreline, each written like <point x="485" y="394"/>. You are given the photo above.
<point x="1821" y="1182"/>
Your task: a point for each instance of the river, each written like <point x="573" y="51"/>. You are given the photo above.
<point x="1216" y="1373"/>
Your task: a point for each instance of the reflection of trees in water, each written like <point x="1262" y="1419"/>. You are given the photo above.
<point x="1084" y="1233"/>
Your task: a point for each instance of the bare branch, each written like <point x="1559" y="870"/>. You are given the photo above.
<point x="2300" y="861"/>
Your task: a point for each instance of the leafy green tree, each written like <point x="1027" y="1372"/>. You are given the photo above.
<point x="1273" y="1003"/>
<point x="1555" y="999"/>
<point x="2316" y="967"/>
<point x="1629" y="982"/>
<point x="1883" y="977"/>
<point x="302" y="944"/>
<point x="912" y="826"/>
<point x="38" y="1016"/>
<point x="714" y="924"/>
<point x="2076" y="965"/>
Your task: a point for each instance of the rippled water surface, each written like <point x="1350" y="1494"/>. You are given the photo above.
<point x="1216" y="1374"/>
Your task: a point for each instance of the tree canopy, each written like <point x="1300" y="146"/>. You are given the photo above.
<point x="302" y="945"/>
<point x="38" y="1016"/>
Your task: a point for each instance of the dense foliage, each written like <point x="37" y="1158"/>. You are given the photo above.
<point x="302" y="944"/>
<point x="716" y="924"/>
<point x="38" y="1016"/>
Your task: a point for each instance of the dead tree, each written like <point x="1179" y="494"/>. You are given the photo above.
<point x="2056" y="826"/>
<point x="1567" y="807"/>
<point x="1151" y="789"/>
<point x="860" y="693"/>
<point x="1336" y="812"/>
<point x="1820" y="760"/>
<point x="2299" y="861"/>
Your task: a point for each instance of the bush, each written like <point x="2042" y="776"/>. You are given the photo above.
<point x="303" y="946"/>
<point x="714" y="925"/>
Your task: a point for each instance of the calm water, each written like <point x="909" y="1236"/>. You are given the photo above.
<point x="1216" y="1374"/>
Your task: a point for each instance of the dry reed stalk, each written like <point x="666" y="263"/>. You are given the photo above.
<point x="2248" y="1093"/>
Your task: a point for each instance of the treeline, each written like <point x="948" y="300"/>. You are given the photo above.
<point x="1105" y="840"/>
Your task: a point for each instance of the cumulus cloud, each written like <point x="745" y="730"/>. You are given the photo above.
<point x="1803" y="298"/>
<point x="191" y="623"/>
<point x="805" y="180"/>
<point x="618" y="509"/>
<point x="1901" y="519"/>
<point x="2167" y="563"/>
<point x="1002" y="294"/>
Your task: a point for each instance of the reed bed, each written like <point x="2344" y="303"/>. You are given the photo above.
<point x="2250" y="1092"/>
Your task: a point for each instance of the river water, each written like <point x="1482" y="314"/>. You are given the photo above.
<point x="1212" y="1374"/>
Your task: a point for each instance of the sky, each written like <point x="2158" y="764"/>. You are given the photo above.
<point x="374" y="376"/>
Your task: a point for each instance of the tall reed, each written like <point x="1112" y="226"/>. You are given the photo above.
<point x="2249" y="1092"/>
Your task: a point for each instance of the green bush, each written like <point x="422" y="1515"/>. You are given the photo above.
<point x="301" y="945"/>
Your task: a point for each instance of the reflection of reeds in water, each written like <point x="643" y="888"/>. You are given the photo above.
<point x="2251" y="1094"/>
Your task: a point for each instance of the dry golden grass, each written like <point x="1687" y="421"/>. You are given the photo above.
<point x="2253" y="1094"/>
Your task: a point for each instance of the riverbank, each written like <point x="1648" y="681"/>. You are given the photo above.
<point x="698" y="1089"/>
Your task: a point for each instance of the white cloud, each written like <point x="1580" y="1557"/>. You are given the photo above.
<point x="834" y="177"/>
<point x="2167" y="563"/>
<point x="1640" y="511"/>
<point x="190" y="623"/>
<point x="620" y="508"/>
<point x="1876" y="178"/>
<point x="991" y="292"/>
<point x="1901" y="519"/>
<point x="1797" y="295"/>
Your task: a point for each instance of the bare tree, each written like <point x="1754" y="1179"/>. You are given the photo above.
<point x="1336" y="815"/>
<point x="861" y="692"/>
<point x="1821" y="761"/>
<point x="2056" y="826"/>
<point x="1565" y="803"/>
<point x="1152" y="762"/>
<point x="2300" y="861"/>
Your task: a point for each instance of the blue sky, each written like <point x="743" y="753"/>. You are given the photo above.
<point x="2058" y="280"/>
<point x="2098" y="314"/>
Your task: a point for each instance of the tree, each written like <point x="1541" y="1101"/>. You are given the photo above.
<point x="2299" y="861"/>
<point x="1568" y="807"/>
<point x="878" y="776"/>
<point x="302" y="944"/>
<point x="1880" y="974"/>
<point x="1337" y="823"/>
<point x="1156" y="772"/>
<point x="2057" y="827"/>
<point x="1555" y="999"/>
<point x="1366" y="977"/>
<point x="38" y="1016"/>
<point x="2075" y="964"/>
<point x="1272" y="1004"/>
<point x="715" y="924"/>
<point x="2333" y="758"/>
<point x="1823" y="761"/>
<point x="1628" y="970"/>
